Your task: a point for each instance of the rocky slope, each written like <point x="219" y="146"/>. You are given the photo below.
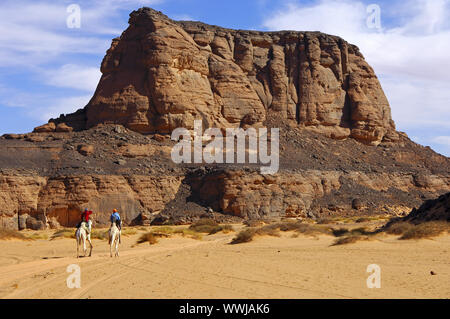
<point x="431" y="210"/>
<point x="339" y="151"/>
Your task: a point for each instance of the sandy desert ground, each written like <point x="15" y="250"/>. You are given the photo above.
<point x="268" y="267"/>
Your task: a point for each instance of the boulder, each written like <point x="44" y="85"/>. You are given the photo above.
<point x="46" y="128"/>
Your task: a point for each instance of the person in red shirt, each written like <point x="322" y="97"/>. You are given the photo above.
<point x="85" y="218"/>
<point x="85" y="215"/>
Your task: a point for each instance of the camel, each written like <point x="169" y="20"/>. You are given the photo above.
<point x="82" y="234"/>
<point x="114" y="239"/>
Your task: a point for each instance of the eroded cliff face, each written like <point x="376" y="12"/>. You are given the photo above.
<point x="38" y="202"/>
<point x="162" y="74"/>
<point x="47" y="179"/>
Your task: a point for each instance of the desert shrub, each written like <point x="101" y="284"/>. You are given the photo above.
<point x="150" y="237"/>
<point x="267" y="231"/>
<point x="6" y="234"/>
<point x="167" y="232"/>
<point x="311" y="229"/>
<point x="338" y="232"/>
<point x="227" y="229"/>
<point x="63" y="233"/>
<point x="426" y="230"/>
<point x="209" y="226"/>
<point x="360" y="231"/>
<point x="349" y="239"/>
<point x="186" y="232"/>
<point x="205" y="225"/>
<point x="398" y="228"/>
<point x="244" y="236"/>
<point x="248" y="234"/>
<point x="164" y="229"/>
<point x="37" y="236"/>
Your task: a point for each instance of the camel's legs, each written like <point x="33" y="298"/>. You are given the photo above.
<point x="90" y="243"/>
<point x="84" y="245"/>
<point x="117" y="245"/>
<point x="112" y="240"/>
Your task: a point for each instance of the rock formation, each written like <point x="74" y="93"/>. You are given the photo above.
<point x="339" y="151"/>
<point x="431" y="210"/>
<point x="161" y="74"/>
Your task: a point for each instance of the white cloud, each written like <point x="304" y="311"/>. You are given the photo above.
<point x="443" y="140"/>
<point x="42" y="106"/>
<point x="35" y="41"/>
<point x="74" y="76"/>
<point x="410" y="58"/>
<point x="182" y="17"/>
<point x="60" y="106"/>
<point x="36" y="33"/>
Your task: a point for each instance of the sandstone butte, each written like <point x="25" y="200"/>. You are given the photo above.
<point x="340" y="153"/>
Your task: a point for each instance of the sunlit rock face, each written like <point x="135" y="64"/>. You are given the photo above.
<point x="162" y="74"/>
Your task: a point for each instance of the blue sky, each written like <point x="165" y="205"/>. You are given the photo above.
<point x="47" y="69"/>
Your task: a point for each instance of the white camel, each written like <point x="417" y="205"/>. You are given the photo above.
<point x="114" y="239"/>
<point x="82" y="234"/>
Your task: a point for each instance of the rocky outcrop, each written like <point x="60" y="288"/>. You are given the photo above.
<point x="163" y="74"/>
<point x="256" y="196"/>
<point x="48" y="182"/>
<point x="38" y="202"/>
<point x="431" y="210"/>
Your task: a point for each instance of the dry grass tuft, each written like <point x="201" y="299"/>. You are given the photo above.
<point x="185" y="232"/>
<point x="408" y="230"/>
<point x="38" y="236"/>
<point x="63" y="233"/>
<point x="204" y="225"/>
<point x="398" y="228"/>
<point x="427" y="230"/>
<point x="339" y="232"/>
<point x="244" y="236"/>
<point x="350" y="239"/>
<point x="128" y="231"/>
<point x="274" y="230"/>
<point x="167" y="232"/>
<point x="151" y="238"/>
<point x="210" y="227"/>
<point x="6" y="234"/>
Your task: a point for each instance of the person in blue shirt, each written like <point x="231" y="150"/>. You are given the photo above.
<point x="115" y="218"/>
